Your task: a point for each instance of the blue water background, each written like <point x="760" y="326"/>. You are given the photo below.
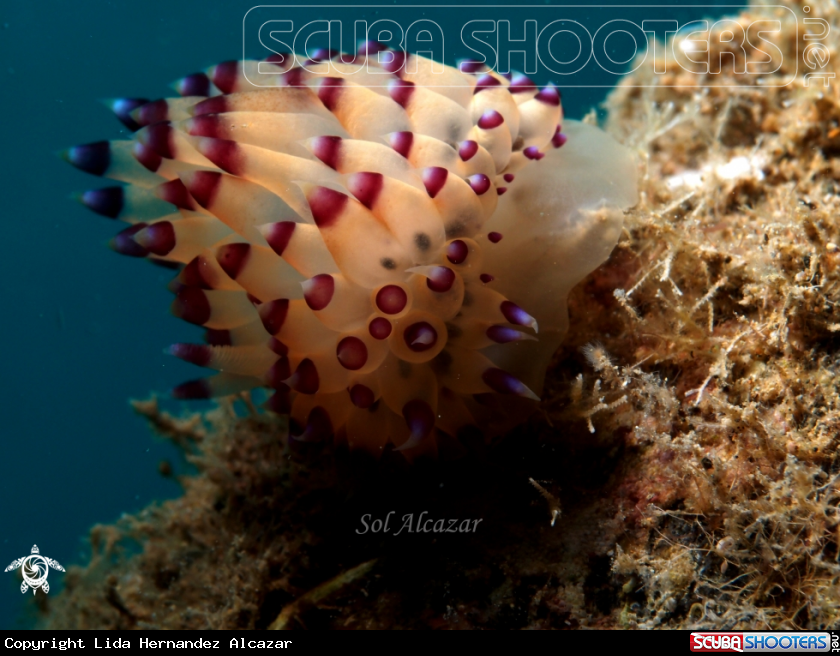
<point x="82" y="329"/>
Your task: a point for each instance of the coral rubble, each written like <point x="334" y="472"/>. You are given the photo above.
<point x="686" y="452"/>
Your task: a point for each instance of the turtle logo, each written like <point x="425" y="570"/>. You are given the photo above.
<point x="35" y="570"/>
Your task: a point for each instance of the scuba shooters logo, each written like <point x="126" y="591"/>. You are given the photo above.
<point x="35" y="569"/>
<point x="717" y="642"/>
<point x="754" y="641"/>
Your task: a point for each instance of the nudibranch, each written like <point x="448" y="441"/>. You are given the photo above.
<point x="383" y="242"/>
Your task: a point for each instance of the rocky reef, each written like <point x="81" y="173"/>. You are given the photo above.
<point x="682" y="473"/>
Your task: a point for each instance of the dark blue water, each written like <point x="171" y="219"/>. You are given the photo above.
<point x="81" y="328"/>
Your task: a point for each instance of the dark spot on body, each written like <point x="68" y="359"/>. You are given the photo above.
<point x="455" y="229"/>
<point x="455" y="133"/>
<point x="405" y="369"/>
<point x="388" y="263"/>
<point x="422" y="241"/>
<point x="518" y="144"/>
<point x="468" y="299"/>
<point x="441" y="363"/>
<point x="453" y="331"/>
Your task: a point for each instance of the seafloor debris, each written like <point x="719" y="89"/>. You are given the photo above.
<point x="703" y="355"/>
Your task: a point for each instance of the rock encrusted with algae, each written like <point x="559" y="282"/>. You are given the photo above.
<point x="689" y="430"/>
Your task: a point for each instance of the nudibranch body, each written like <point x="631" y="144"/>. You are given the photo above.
<point x="385" y="242"/>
